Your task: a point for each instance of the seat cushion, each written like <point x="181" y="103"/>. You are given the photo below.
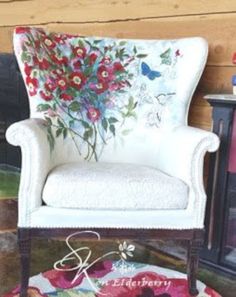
<point x="113" y="186"/>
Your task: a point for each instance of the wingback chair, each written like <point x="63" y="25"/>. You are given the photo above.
<point x="107" y="146"/>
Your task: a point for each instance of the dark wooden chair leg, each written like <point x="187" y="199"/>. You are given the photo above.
<point x="24" y="242"/>
<point x="194" y="247"/>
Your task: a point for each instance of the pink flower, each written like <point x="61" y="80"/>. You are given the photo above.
<point x="22" y="30"/>
<point x="41" y="62"/>
<point x="50" y="85"/>
<point x="92" y="58"/>
<point x="211" y="292"/>
<point x="32" y="84"/>
<point x="63" y="279"/>
<point x="66" y="97"/>
<point x="28" y="69"/>
<point x="49" y="43"/>
<point x="146" y="284"/>
<point x="76" y="64"/>
<point x="77" y="79"/>
<point x="46" y="95"/>
<point x="61" y="60"/>
<point x="106" y="60"/>
<point x="177" y="53"/>
<point x="99" y="87"/>
<point x="93" y="114"/>
<point x="79" y="52"/>
<point x="118" y="67"/>
<point x="105" y="73"/>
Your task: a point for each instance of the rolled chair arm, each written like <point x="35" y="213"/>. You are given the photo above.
<point x="37" y="161"/>
<point x="181" y="154"/>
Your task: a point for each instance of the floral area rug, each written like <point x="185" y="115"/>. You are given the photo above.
<point x="112" y="279"/>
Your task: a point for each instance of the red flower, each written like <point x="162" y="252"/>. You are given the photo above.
<point x="58" y="72"/>
<point x="117" y="66"/>
<point x="79" y="52"/>
<point x="49" y="43"/>
<point x="66" y="97"/>
<point x="77" y="64"/>
<point x="62" y="83"/>
<point x="92" y="58"/>
<point x="77" y="80"/>
<point x="46" y="95"/>
<point x="117" y="85"/>
<point x="41" y="62"/>
<point x="234" y="58"/>
<point x="28" y="69"/>
<point x="32" y="84"/>
<point x="59" y="60"/>
<point x="22" y="30"/>
<point x="63" y="279"/>
<point x="99" y="87"/>
<point x="106" y="60"/>
<point x="105" y="73"/>
<point x="93" y="114"/>
<point x="177" y="53"/>
<point x="50" y="85"/>
<point x="59" y="38"/>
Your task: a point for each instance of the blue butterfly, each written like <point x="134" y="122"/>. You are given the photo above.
<point x="146" y="71"/>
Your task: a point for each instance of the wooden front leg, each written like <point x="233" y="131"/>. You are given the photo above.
<point x="24" y="242"/>
<point x="194" y="247"/>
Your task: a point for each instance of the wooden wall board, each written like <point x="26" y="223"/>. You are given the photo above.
<point x="221" y="45"/>
<point x="72" y="11"/>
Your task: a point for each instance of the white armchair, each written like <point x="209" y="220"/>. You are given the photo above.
<point x="107" y="147"/>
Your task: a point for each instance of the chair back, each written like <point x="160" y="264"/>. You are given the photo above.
<point x="110" y="98"/>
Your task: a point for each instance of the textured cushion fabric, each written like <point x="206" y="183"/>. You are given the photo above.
<point x="113" y="186"/>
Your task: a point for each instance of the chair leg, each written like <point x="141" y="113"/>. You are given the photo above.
<point x="24" y="242"/>
<point x="192" y="264"/>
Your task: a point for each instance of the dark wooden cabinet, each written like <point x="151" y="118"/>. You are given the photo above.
<point x="220" y="238"/>
<point x="13" y="106"/>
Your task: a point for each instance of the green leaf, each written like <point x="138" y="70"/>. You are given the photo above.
<point x="135" y="50"/>
<point x="166" y="57"/>
<point x="60" y="123"/>
<point x="112" y="129"/>
<point x="88" y="71"/>
<point x="104" y="124"/>
<point x="122" y="43"/>
<point x="81" y="44"/>
<point x="58" y="132"/>
<point x="43" y="107"/>
<point x="65" y="133"/>
<point x="74" y="106"/>
<point x="50" y="138"/>
<point x="112" y="120"/>
<point x="49" y="121"/>
<point x="85" y="124"/>
<point x="141" y="56"/>
<point x="25" y="57"/>
<point x="88" y="134"/>
<point x="126" y="132"/>
<point x="97" y="41"/>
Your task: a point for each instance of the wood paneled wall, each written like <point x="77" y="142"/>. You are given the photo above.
<point x="214" y="20"/>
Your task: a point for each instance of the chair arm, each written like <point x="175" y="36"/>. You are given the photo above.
<point x="37" y="161"/>
<point x="181" y="154"/>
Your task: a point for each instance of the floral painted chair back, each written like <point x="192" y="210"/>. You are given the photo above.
<point x="109" y="99"/>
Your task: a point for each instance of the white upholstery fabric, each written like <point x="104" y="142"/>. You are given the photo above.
<point x="181" y="155"/>
<point x="95" y="186"/>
